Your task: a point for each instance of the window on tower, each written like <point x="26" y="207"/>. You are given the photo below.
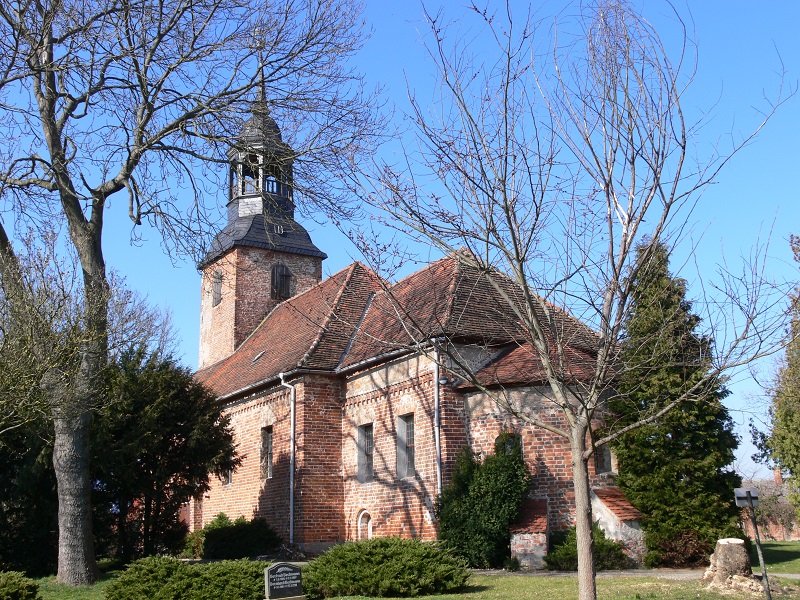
<point x="281" y="282"/>
<point x="216" y="291"/>
<point x="251" y="174"/>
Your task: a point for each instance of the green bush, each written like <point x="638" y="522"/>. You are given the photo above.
<point x="194" y="542"/>
<point x="681" y="548"/>
<point x="242" y="539"/>
<point x="226" y="539"/>
<point x="162" y="578"/>
<point x="608" y="554"/>
<point x="384" y="567"/>
<point x="482" y="501"/>
<point x="15" y="586"/>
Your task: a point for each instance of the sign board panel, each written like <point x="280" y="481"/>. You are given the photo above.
<point x="283" y="580"/>
<point x="741" y="496"/>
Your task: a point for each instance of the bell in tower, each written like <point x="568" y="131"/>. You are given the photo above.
<point x="263" y="255"/>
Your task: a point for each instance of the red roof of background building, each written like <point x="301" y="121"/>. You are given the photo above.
<point x="616" y="501"/>
<point x="520" y="365"/>
<point x="454" y="299"/>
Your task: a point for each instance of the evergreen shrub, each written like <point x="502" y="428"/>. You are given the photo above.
<point x="15" y="586"/>
<point x="163" y="578"/>
<point x="483" y="500"/>
<point x="222" y="538"/>
<point x="676" y="469"/>
<point x="384" y="567"/>
<point x="608" y="554"/>
<point x="243" y="539"/>
<point x="683" y="548"/>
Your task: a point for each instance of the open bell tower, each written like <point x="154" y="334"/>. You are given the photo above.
<point x="263" y="255"/>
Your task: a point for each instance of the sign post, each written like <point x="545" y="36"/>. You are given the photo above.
<point x="748" y="497"/>
<point x="283" y="580"/>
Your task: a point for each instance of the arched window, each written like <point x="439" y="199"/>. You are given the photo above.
<point x="364" y="526"/>
<point x="281" y="287"/>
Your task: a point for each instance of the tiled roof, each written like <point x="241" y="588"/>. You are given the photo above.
<point x="452" y="298"/>
<point x="446" y="298"/>
<point x="250" y="231"/>
<point x="616" y="501"/>
<point x="519" y="364"/>
<point x="310" y="331"/>
<point x="532" y="517"/>
<point x="350" y="320"/>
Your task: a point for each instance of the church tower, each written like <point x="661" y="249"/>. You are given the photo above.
<point x="262" y="256"/>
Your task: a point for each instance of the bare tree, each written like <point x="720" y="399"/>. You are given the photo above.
<point x="141" y="99"/>
<point x="550" y="169"/>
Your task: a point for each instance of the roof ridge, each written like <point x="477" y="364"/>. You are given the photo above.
<point x="324" y="325"/>
<point x="451" y="292"/>
<point x="353" y="335"/>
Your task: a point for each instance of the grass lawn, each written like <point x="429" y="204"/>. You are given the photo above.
<point x="50" y="590"/>
<point x="780" y="557"/>
<point x="503" y="587"/>
<point x="496" y="587"/>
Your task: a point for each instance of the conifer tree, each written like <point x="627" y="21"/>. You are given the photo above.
<point x="783" y="443"/>
<point x="675" y="469"/>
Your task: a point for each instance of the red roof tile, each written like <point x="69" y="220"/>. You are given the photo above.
<point x="616" y="501"/>
<point x="310" y="330"/>
<point x="532" y="517"/>
<point x="519" y="364"/>
<point x="453" y="298"/>
<point x="353" y="318"/>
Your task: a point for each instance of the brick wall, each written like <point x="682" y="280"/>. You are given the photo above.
<point x="248" y="494"/>
<point x="319" y="503"/>
<point x="329" y="497"/>
<point x="246" y="299"/>
<point x="546" y="454"/>
<point x="397" y="507"/>
<point x="216" y="322"/>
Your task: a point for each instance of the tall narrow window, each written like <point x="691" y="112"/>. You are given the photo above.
<point x="227" y="478"/>
<point x="365" y="451"/>
<point x="216" y="288"/>
<point x="250" y="175"/>
<point x="405" y="446"/>
<point x="266" y="452"/>
<point x="603" y="460"/>
<point x="281" y="287"/>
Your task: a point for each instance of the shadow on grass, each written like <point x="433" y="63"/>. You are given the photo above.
<point x="777" y="554"/>
<point x="473" y="589"/>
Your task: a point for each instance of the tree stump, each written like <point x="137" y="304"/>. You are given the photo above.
<point x="729" y="559"/>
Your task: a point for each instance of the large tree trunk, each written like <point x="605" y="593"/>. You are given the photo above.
<point x="76" y="559"/>
<point x="72" y="401"/>
<point x="587" y="589"/>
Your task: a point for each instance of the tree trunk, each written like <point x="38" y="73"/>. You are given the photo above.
<point x="123" y="545"/>
<point x="72" y="400"/>
<point x="587" y="589"/>
<point x="76" y="560"/>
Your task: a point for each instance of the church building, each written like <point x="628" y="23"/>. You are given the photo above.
<point x="347" y="422"/>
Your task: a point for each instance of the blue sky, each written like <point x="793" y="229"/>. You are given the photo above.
<point x="741" y="48"/>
